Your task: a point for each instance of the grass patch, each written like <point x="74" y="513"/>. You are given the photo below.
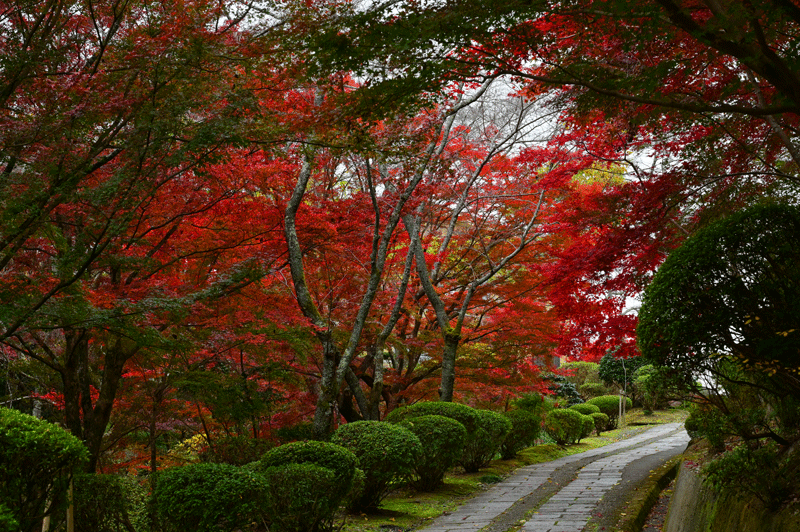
<point x="406" y="508"/>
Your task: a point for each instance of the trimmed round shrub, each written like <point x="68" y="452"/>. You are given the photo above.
<point x="585" y="408"/>
<point x="533" y="402"/>
<point x="609" y="405"/>
<point x="589" y="390"/>
<point x="466" y="415"/>
<point x="525" y="428"/>
<point x="600" y="422"/>
<point x="301" y="498"/>
<point x="386" y="453"/>
<point x="209" y="498"/>
<point x="342" y="462"/>
<point x="37" y="459"/>
<point x="107" y="503"/>
<point x="442" y="440"/>
<point x="587" y="426"/>
<point x="564" y="425"/>
<point x="482" y="445"/>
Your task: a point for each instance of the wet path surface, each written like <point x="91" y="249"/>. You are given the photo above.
<point x="562" y="495"/>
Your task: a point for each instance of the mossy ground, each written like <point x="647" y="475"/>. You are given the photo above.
<point x="406" y="508"/>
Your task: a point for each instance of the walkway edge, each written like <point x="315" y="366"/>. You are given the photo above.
<point x="646" y="496"/>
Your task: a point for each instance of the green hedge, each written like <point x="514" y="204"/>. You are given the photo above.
<point x="600" y="422"/>
<point x="209" y="498"/>
<point x="609" y="405"/>
<point x="108" y="503"/>
<point x="482" y="446"/>
<point x="466" y="415"/>
<point x="525" y="429"/>
<point x="386" y="453"/>
<point x="442" y="440"/>
<point x="564" y="425"/>
<point x="301" y="498"/>
<point x="37" y="460"/>
<point x="342" y="462"/>
<point x="587" y="409"/>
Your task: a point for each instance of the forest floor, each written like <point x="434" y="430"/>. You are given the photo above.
<point x="405" y="509"/>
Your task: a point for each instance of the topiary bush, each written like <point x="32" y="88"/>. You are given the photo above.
<point x="564" y="425"/>
<point x="587" y="409"/>
<point x="466" y="415"/>
<point x="609" y="405"/>
<point x="108" y="503"/>
<point x="200" y="498"/>
<point x="342" y="462"/>
<point x="37" y="460"/>
<point x="592" y="389"/>
<point x="482" y="445"/>
<point x="600" y="422"/>
<point x="442" y="440"/>
<point x="386" y="453"/>
<point x="587" y="426"/>
<point x="526" y="425"/>
<point x="301" y="497"/>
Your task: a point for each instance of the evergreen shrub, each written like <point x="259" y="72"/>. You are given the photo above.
<point x="442" y="440"/>
<point x="587" y="409"/>
<point x="386" y="453"/>
<point x="609" y="405"/>
<point x="301" y="497"/>
<point x="37" y="460"/>
<point x="209" y="498"/>
<point x="525" y="428"/>
<point x="236" y="450"/>
<point x="592" y="389"/>
<point x="482" y="445"/>
<point x="564" y="425"/>
<point x="108" y="503"/>
<point x="600" y="422"/>
<point x="342" y="462"/>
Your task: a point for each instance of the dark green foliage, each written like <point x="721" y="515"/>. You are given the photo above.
<point x="386" y="453"/>
<point x="564" y="425"/>
<point x="301" y="498"/>
<point x="733" y="289"/>
<point x="299" y="432"/>
<point x="37" y="460"/>
<point x="587" y="426"/>
<point x="609" y="405"/>
<point x="525" y="429"/>
<point x="709" y="423"/>
<point x="107" y="503"/>
<point x="587" y="409"/>
<point x="236" y="450"/>
<point x="466" y="415"/>
<point x="563" y="388"/>
<point x="442" y="440"/>
<point x="592" y="389"/>
<point x="342" y="462"/>
<point x="209" y="498"/>
<point x="8" y="523"/>
<point x="618" y="372"/>
<point x="532" y="402"/>
<point x="761" y="472"/>
<point x="600" y="422"/>
<point x="485" y="442"/>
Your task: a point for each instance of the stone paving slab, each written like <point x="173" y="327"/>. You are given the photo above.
<point x="571" y="507"/>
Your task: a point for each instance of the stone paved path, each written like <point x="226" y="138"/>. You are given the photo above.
<point x="559" y="506"/>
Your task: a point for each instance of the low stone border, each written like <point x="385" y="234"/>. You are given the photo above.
<point x="646" y="495"/>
